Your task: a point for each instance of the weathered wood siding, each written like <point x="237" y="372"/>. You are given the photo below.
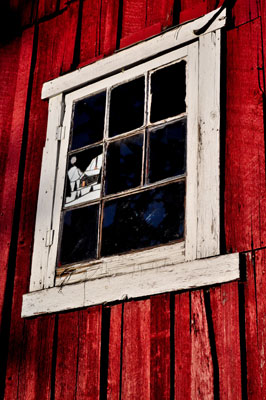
<point x="201" y="344"/>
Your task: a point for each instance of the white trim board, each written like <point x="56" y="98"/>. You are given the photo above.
<point x="132" y="55"/>
<point x="188" y="275"/>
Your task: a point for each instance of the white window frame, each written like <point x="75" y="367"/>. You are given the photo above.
<point x="195" y="262"/>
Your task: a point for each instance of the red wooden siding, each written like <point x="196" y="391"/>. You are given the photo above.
<point x="201" y="344"/>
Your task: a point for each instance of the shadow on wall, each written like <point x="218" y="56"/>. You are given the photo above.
<point x="11" y="19"/>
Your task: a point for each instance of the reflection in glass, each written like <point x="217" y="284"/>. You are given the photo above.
<point x="168" y="88"/>
<point x="124" y="162"/>
<point x="88" y="121"/>
<point x="167" y="153"/>
<point x="84" y="176"/>
<point x="144" y="219"/>
<point x="127" y="107"/>
<point x="79" y="237"/>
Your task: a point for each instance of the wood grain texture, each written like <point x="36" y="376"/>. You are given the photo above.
<point x="98" y="29"/>
<point x="255" y="324"/>
<point x="245" y="11"/>
<point x="114" y="356"/>
<point x="182" y="347"/>
<point x="34" y="379"/>
<point x="245" y="195"/>
<point x="89" y="352"/>
<point x="46" y="7"/>
<point x="160" y="347"/>
<point x="201" y="358"/>
<point x="141" y="14"/>
<point x="225" y="315"/>
<point x="136" y="351"/>
<point x="67" y="356"/>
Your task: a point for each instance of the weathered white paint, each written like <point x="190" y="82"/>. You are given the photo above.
<point x="123" y="264"/>
<point x="40" y="268"/>
<point x="132" y="55"/>
<point x="208" y="233"/>
<point x="192" y="99"/>
<point x="168" y="278"/>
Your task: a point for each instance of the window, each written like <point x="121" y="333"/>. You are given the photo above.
<point x="129" y="192"/>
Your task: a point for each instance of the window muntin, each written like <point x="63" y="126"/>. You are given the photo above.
<point x="133" y="157"/>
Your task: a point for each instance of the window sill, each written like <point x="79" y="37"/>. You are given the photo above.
<point x="170" y="277"/>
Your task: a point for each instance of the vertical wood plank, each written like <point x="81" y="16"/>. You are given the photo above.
<point x="182" y="347"/>
<point x="89" y="354"/>
<point x="67" y="356"/>
<point x="225" y="316"/>
<point x="244" y="147"/>
<point x="245" y="11"/>
<point x="255" y="324"/>
<point x="98" y="29"/>
<point x="201" y="359"/>
<point x="136" y="351"/>
<point x="36" y="363"/>
<point x="160" y="347"/>
<point x="114" y="356"/>
<point x="46" y="7"/>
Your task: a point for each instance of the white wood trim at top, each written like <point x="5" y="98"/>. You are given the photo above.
<point x="168" y="278"/>
<point x="135" y="54"/>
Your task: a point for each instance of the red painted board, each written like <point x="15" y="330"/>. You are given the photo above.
<point x="12" y="110"/>
<point x="201" y="359"/>
<point x="255" y="324"/>
<point x="245" y="206"/>
<point x="46" y="7"/>
<point x="225" y="316"/>
<point x="182" y="347"/>
<point x="141" y="14"/>
<point x="141" y="35"/>
<point x="136" y="351"/>
<point x="23" y="11"/>
<point x="160" y="347"/>
<point x="54" y="55"/>
<point x="67" y="356"/>
<point x="89" y="354"/>
<point x="191" y="9"/>
<point x="114" y="356"/>
<point x="36" y="362"/>
<point x="245" y="11"/>
<point x="263" y="23"/>
<point x="134" y="16"/>
<point x="160" y="13"/>
<point x="9" y="58"/>
<point x="98" y="29"/>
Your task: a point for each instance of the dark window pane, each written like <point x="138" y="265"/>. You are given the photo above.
<point x="168" y="88"/>
<point x="124" y="162"/>
<point x="167" y="153"/>
<point x="88" y="121"/>
<point x="127" y="107"/>
<point x="79" y="237"/>
<point x="83" y="179"/>
<point x="144" y="219"/>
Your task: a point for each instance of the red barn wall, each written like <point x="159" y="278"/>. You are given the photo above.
<point x="200" y="344"/>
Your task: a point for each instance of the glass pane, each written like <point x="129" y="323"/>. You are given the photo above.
<point x="123" y="164"/>
<point x="144" y="219"/>
<point x="167" y="152"/>
<point x="168" y="88"/>
<point x="83" y="181"/>
<point x="79" y="237"/>
<point x="88" y="121"/>
<point x="127" y="107"/>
